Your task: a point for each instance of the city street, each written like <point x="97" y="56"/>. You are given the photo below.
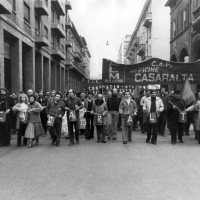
<point x="91" y="171"/>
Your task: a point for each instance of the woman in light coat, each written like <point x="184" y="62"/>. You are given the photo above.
<point x="21" y="108"/>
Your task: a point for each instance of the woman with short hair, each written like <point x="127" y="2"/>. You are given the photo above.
<point x="34" y="128"/>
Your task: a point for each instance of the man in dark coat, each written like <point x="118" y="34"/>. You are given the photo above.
<point x="5" y="125"/>
<point x="43" y="115"/>
<point x="56" y="107"/>
<point x="175" y="105"/>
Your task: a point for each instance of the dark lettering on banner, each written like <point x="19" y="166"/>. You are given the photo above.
<point x="152" y="71"/>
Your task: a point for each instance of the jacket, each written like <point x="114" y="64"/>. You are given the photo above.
<point x="101" y="109"/>
<point x="34" y="112"/>
<point x="147" y="105"/>
<point x="57" y="109"/>
<point x="125" y="108"/>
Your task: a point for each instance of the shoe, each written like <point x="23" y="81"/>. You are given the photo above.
<point x="130" y="140"/>
<point x="57" y="144"/>
<point x="173" y="143"/>
<point x="109" y="137"/>
<point x="103" y="141"/>
<point x="77" y="142"/>
<point x="147" y="141"/>
<point x="114" y="138"/>
<point x="19" y="144"/>
<point x="154" y="143"/>
<point x="53" y="142"/>
<point x="181" y="141"/>
<point x="70" y="144"/>
<point x="124" y="142"/>
<point x="29" y="146"/>
<point x="98" y="141"/>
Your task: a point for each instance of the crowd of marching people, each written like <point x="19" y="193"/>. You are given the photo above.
<point x="33" y="114"/>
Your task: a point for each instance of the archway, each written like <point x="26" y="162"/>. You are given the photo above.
<point x="183" y="55"/>
<point x="173" y="58"/>
<point x="196" y="51"/>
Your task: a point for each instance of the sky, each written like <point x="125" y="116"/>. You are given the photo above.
<point x="99" y="21"/>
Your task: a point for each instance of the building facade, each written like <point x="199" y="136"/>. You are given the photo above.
<point x="122" y="50"/>
<point x="34" y="46"/>
<point x="185" y="32"/>
<point x="151" y="35"/>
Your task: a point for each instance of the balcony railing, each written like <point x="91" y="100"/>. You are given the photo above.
<point x="5" y="7"/>
<point x="28" y="29"/>
<point x="148" y="20"/>
<point x="141" y="50"/>
<point x="41" y="7"/>
<point x="58" y="53"/>
<point x="77" y="56"/>
<point x="58" y="30"/>
<point x="136" y="42"/>
<point x="68" y="5"/>
<point x="59" y="6"/>
<point x="68" y="43"/>
<point x="68" y="23"/>
<point x="41" y="38"/>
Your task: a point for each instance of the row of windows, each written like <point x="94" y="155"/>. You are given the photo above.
<point x="181" y="22"/>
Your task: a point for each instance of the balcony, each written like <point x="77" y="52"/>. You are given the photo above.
<point x="68" y="24"/>
<point x="80" y="68"/>
<point x="141" y="50"/>
<point x="5" y="7"/>
<point x="68" y="5"/>
<point x="148" y="20"/>
<point x="68" y="43"/>
<point x="41" y="7"/>
<point x="77" y="56"/>
<point x="69" y="64"/>
<point x="57" y="53"/>
<point x="41" y="39"/>
<point x="57" y="30"/>
<point x="59" y="6"/>
<point x="196" y="25"/>
<point x="136" y="42"/>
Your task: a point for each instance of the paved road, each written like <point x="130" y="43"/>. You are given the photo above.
<point x="111" y="171"/>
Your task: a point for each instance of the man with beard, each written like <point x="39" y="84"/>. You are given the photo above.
<point x="113" y="109"/>
<point x="5" y="106"/>
<point x="72" y="106"/>
<point x="153" y="106"/>
<point x="175" y="105"/>
<point x="127" y="109"/>
<point x="100" y="111"/>
<point x="163" y="115"/>
<point x="56" y="108"/>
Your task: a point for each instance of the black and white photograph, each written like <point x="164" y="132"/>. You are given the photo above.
<point x="99" y="99"/>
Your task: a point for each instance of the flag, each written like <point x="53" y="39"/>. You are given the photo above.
<point x="187" y="94"/>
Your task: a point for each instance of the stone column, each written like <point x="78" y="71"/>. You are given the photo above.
<point x="38" y="71"/>
<point x="46" y="74"/>
<point x="16" y="66"/>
